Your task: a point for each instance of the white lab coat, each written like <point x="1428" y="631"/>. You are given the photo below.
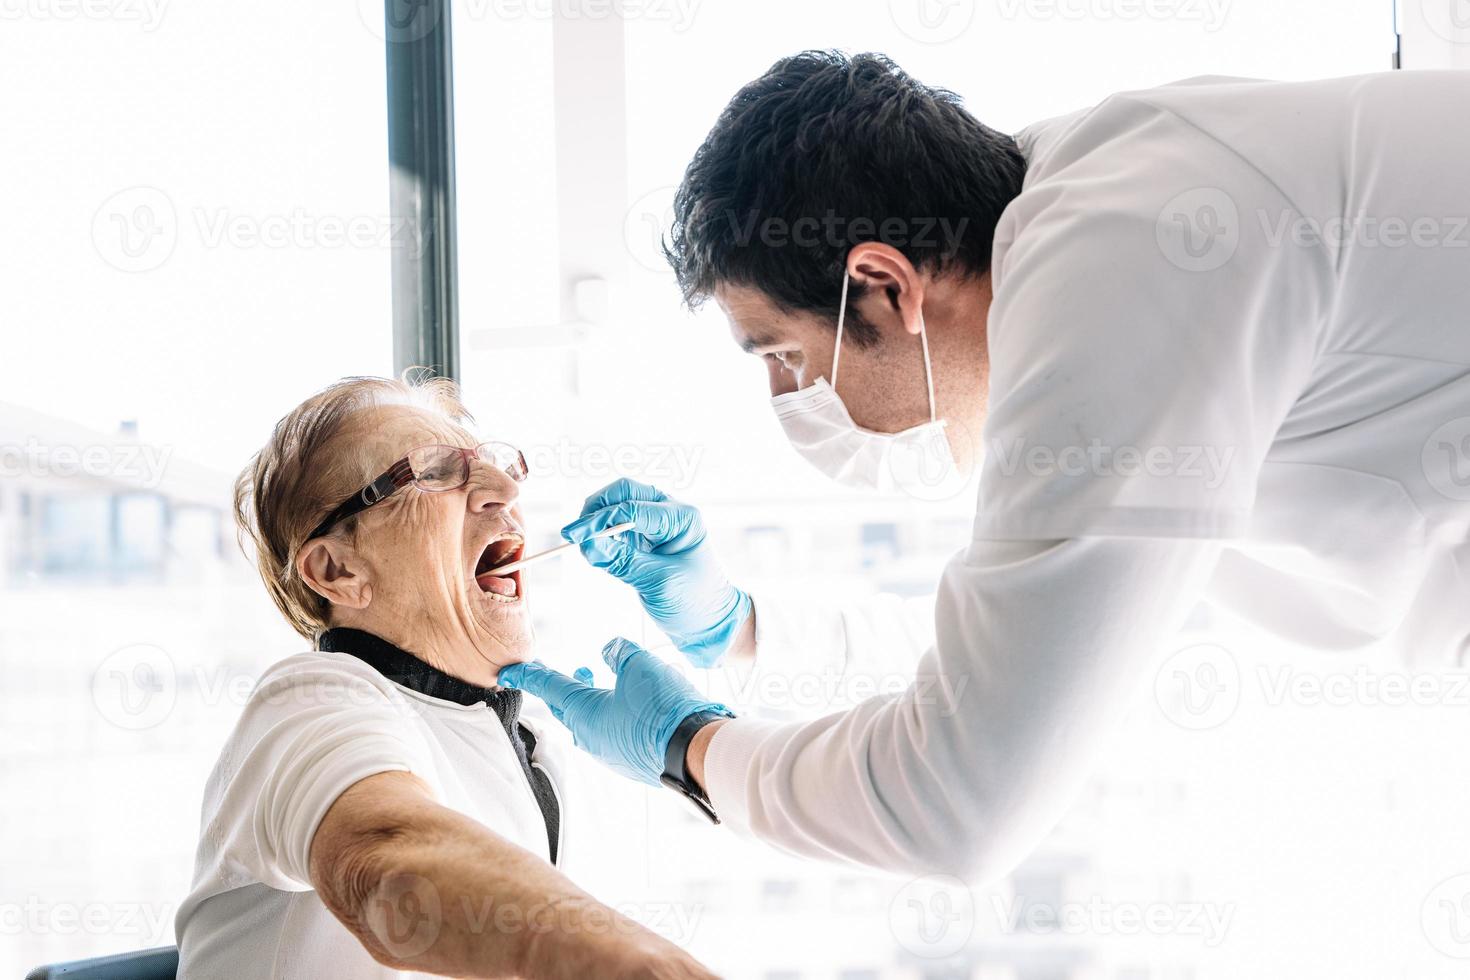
<point x="1230" y="358"/>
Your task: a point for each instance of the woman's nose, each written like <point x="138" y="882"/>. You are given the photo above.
<point x="491" y="487"/>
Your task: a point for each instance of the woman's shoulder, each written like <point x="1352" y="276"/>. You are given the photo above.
<point x="323" y="671"/>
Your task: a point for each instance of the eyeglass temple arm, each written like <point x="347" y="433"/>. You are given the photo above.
<point x="398" y="476"/>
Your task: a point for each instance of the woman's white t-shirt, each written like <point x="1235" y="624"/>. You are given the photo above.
<point x="314" y="725"/>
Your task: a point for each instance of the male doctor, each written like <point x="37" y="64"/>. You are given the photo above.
<point x="1218" y="337"/>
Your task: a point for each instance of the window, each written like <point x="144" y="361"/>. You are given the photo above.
<point x="198" y="237"/>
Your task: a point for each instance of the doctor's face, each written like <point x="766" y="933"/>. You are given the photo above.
<point x="882" y="384"/>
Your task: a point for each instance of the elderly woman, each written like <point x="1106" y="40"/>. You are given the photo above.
<point x="383" y="806"/>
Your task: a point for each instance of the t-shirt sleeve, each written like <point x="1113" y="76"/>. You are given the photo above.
<point x="306" y="736"/>
<point x="1152" y="325"/>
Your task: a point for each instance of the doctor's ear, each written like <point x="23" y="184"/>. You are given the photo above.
<point x="885" y="271"/>
<point x="333" y="570"/>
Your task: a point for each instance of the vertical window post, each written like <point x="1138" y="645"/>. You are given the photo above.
<point x="421" y="186"/>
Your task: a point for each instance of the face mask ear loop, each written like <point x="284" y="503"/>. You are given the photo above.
<point x="928" y="374"/>
<point x="841" y="318"/>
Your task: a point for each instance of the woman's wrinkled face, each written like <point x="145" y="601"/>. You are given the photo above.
<point x="421" y="551"/>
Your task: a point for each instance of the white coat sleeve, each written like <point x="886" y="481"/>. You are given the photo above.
<point x="814" y="654"/>
<point x="1040" y="645"/>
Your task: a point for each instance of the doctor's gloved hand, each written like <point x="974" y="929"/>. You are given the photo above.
<point x="666" y="560"/>
<point x="627" y="728"/>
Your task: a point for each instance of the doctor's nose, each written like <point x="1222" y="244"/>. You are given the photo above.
<point x="782" y="381"/>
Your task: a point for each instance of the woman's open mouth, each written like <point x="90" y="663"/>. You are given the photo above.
<point x="502" y="551"/>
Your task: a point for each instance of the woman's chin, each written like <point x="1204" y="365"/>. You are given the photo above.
<point x="509" y="633"/>
<point x="509" y="656"/>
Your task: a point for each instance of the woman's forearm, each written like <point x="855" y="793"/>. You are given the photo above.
<point x="426" y="888"/>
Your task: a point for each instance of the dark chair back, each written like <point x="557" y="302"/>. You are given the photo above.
<point x="145" y="964"/>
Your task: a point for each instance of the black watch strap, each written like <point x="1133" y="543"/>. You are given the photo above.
<point x="675" y="776"/>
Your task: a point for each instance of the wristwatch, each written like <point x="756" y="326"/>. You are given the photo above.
<point x="675" y="776"/>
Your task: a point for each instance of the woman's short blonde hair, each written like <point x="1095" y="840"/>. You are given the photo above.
<point x="300" y="475"/>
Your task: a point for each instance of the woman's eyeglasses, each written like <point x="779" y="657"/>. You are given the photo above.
<point x="432" y="469"/>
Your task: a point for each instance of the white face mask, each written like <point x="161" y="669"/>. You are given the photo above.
<point x="917" y="461"/>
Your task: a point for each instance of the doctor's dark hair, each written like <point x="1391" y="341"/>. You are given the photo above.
<point x="824" y="152"/>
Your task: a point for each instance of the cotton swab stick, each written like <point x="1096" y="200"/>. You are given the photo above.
<point x="516" y="566"/>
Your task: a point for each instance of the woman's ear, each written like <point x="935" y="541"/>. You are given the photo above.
<point x="887" y="273"/>
<point x="333" y="570"/>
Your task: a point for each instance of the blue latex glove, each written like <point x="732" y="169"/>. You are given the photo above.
<point x="627" y="728"/>
<point x="665" y="558"/>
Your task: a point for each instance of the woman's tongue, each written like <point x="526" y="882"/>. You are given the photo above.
<point x="497" y="584"/>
